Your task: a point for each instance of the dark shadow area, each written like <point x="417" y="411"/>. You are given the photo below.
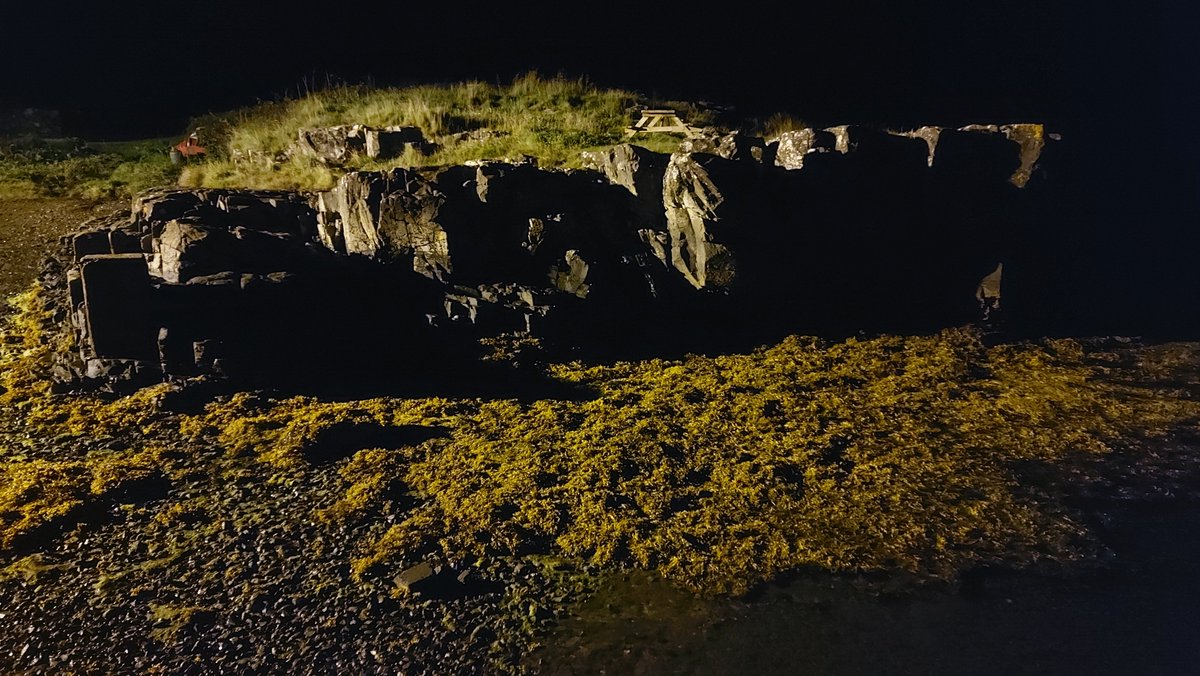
<point x="342" y="440"/>
<point x="99" y="512"/>
<point x="1138" y="614"/>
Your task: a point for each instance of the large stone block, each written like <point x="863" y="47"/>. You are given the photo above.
<point x="392" y="141"/>
<point x="116" y="291"/>
<point x="92" y="243"/>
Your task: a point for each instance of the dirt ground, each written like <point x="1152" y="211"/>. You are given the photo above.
<point x="29" y="226"/>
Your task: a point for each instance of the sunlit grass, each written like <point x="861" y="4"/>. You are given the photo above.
<point x="551" y="119"/>
<point x="98" y="171"/>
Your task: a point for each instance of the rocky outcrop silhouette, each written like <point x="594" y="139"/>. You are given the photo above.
<point x="401" y="271"/>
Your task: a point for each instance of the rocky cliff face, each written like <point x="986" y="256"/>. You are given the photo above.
<point x="389" y="271"/>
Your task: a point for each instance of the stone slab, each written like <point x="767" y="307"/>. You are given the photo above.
<point x="116" y="292"/>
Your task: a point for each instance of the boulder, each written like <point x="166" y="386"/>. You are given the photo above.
<point x="332" y="145"/>
<point x="116" y="295"/>
<point x="90" y="243"/>
<point x="337" y="145"/>
<point x="160" y="206"/>
<point x="976" y="154"/>
<point x="413" y="579"/>
<point x="635" y="251"/>
<point x="791" y="147"/>
<point x="266" y="210"/>
<point x="929" y="135"/>
<point x="570" y="277"/>
<point x="393" y="141"/>
<point x="634" y="168"/>
<point x="183" y="250"/>
<point x="1031" y="138"/>
<point x="638" y="170"/>
<point x="731" y="146"/>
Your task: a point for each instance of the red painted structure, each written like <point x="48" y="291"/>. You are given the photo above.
<point x="190" y="146"/>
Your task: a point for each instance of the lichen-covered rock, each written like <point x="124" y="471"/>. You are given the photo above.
<point x="731" y="146"/>
<point x="791" y="147"/>
<point x="332" y="145"/>
<point x="1032" y="140"/>
<point x="691" y="200"/>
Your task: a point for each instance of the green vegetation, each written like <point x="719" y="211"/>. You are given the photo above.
<point x="95" y="171"/>
<point x="552" y="119"/>
<point x="780" y="123"/>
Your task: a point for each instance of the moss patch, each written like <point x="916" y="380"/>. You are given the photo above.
<point x="35" y="492"/>
<point x="885" y="454"/>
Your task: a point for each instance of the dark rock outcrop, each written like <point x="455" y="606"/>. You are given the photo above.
<point x="391" y="273"/>
<point x="337" y="145"/>
<point x="790" y="148"/>
<point x="731" y="146"/>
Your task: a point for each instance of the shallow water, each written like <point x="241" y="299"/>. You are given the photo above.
<point x="1140" y="617"/>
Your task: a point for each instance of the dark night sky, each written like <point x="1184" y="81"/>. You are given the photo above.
<point x="122" y="69"/>
<point x="1119" y="82"/>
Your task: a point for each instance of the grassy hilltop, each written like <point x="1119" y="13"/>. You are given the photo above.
<point x="551" y="119"/>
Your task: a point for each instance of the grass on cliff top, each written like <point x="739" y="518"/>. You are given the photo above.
<point x="890" y="454"/>
<point x="96" y="171"/>
<point x="552" y="119"/>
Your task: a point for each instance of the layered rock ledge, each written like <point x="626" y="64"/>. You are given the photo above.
<point x="732" y="240"/>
